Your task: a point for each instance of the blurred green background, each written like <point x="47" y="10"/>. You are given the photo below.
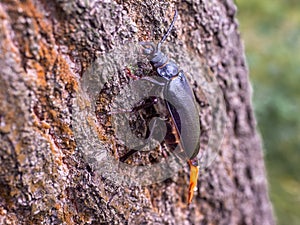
<point x="271" y="33"/>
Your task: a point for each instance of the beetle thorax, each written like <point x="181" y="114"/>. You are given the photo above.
<point x="168" y="70"/>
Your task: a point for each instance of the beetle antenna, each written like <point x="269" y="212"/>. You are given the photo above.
<point x="169" y="30"/>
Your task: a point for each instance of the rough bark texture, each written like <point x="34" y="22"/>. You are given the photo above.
<point x="45" y="48"/>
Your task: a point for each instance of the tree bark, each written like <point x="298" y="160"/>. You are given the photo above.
<point x="46" y="49"/>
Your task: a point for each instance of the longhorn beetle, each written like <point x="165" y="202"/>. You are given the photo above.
<point x="180" y="102"/>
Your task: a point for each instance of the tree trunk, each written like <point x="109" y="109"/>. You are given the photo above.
<point x="51" y="171"/>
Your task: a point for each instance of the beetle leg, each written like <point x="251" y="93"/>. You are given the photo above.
<point x="145" y="104"/>
<point x="127" y="155"/>
<point x="157" y="80"/>
<point x="154" y="80"/>
<point x="133" y="151"/>
<point x="119" y="111"/>
<point x="194" y="172"/>
<point x="141" y="105"/>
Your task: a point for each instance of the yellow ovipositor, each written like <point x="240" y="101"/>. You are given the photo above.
<point x="194" y="172"/>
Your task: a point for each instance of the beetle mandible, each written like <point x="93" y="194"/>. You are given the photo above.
<point x="180" y="102"/>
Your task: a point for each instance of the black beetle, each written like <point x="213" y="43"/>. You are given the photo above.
<point x="180" y="101"/>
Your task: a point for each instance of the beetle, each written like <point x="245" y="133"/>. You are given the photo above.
<point x="180" y="102"/>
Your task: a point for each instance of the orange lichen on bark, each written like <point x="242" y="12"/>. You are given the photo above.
<point x="46" y="61"/>
<point x="65" y="73"/>
<point x="68" y="215"/>
<point x="35" y="50"/>
<point x="97" y="128"/>
<point x="38" y="48"/>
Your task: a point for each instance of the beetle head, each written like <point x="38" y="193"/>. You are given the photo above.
<point x="153" y="53"/>
<point x="158" y="59"/>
